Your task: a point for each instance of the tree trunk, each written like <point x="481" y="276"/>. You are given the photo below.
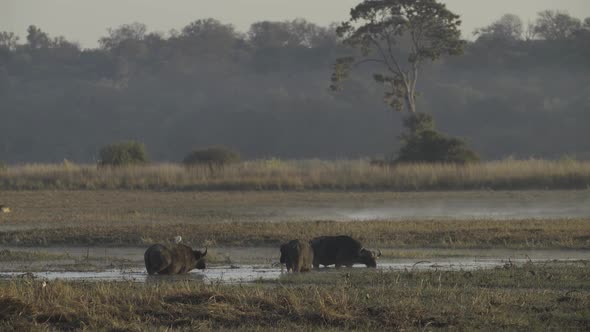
<point x="410" y="99"/>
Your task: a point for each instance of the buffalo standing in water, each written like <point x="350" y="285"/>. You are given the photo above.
<point x="297" y="255"/>
<point x="341" y="250"/>
<point x="173" y="259"/>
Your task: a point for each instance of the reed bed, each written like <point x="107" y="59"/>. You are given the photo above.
<point x="533" y="297"/>
<point x="277" y="174"/>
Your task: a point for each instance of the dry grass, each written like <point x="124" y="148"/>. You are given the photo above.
<point x="12" y="255"/>
<point x="137" y="218"/>
<point x="515" y="234"/>
<point x="552" y="296"/>
<point x="304" y="175"/>
<point x="45" y="208"/>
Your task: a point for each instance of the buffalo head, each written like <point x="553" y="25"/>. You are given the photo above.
<point x="369" y="258"/>
<point x="198" y="254"/>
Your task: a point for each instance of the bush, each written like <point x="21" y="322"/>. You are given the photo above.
<point x="424" y="144"/>
<point x="123" y="153"/>
<point x="213" y="156"/>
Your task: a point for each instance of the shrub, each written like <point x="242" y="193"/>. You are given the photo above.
<point x="213" y="156"/>
<point x="123" y="153"/>
<point x="423" y="143"/>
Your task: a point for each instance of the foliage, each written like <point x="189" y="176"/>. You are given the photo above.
<point x="404" y="34"/>
<point x="123" y="153"/>
<point x="423" y="143"/>
<point x="556" y="25"/>
<point x="212" y="156"/>
<point x="8" y="40"/>
<point x="508" y="28"/>
<point x="208" y="83"/>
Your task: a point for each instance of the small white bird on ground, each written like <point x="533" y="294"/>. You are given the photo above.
<point x="177" y="239"/>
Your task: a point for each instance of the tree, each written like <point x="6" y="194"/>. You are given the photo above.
<point x="208" y="37"/>
<point x="126" y="33"/>
<point x="37" y="39"/>
<point x="508" y="28"/>
<point x="556" y="25"/>
<point x="266" y="34"/>
<point x="402" y="35"/>
<point x="123" y="153"/>
<point x="423" y="143"/>
<point x="8" y="40"/>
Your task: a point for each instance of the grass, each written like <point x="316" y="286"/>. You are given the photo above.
<point x="139" y="218"/>
<point x="514" y="234"/>
<point x="548" y="296"/>
<point x="15" y="256"/>
<point x="276" y="174"/>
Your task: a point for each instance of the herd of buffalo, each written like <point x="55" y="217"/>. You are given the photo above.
<point x="297" y="255"/>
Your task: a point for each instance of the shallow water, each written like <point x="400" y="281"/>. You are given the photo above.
<point x="252" y="273"/>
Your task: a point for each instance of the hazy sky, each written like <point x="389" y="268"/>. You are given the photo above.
<point x="85" y="21"/>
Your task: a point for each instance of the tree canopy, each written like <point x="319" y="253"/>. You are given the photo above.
<point x="399" y="35"/>
<point x="206" y="84"/>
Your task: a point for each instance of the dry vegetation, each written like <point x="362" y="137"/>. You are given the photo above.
<point x="138" y="218"/>
<point x="304" y="175"/>
<point x="516" y="234"/>
<point x="549" y="296"/>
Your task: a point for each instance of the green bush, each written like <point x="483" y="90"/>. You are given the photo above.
<point x="423" y="143"/>
<point x="123" y="153"/>
<point x="213" y="156"/>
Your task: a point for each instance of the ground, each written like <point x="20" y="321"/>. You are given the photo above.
<point x="467" y="260"/>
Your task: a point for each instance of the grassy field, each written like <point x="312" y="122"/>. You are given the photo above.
<point x="516" y="234"/>
<point x="276" y="174"/>
<point x="547" y="296"/>
<point x="138" y="218"/>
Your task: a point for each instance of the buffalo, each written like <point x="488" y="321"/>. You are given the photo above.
<point x="341" y="250"/>
<point x="173" y="259"/>
<point x="297" y="255"/>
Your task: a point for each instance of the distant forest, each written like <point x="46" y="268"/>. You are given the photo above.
<point x="518" y="91"/>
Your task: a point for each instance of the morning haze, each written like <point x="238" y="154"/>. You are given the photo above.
<point x="252" y="77"/>
<point x="87" y="21"/>
<point x="163" y="162"/>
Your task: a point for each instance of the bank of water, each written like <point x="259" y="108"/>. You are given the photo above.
<point x="261" y="264"/>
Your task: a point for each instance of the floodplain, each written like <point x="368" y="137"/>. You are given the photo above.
<point x="513" y="260"/>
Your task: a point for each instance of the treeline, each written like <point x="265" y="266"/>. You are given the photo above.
<point x="517" y="91"/>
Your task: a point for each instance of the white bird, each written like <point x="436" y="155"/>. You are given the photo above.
<point x="177" y="239"/>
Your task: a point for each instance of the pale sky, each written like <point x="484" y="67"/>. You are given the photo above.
<point x="85" y="21"/>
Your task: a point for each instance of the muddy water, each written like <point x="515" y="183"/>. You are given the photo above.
<point x="261" y="264"/>
<point x="252" y="273"/>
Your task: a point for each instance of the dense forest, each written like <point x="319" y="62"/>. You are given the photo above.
<point x="518" y="90"/>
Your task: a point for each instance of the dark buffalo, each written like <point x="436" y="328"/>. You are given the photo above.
<point x="297" y="255"/>
<point x="341" y="250"/>
<point x="173" y="259"/>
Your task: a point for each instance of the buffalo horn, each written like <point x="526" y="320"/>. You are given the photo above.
<point x="205" y="253"/>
